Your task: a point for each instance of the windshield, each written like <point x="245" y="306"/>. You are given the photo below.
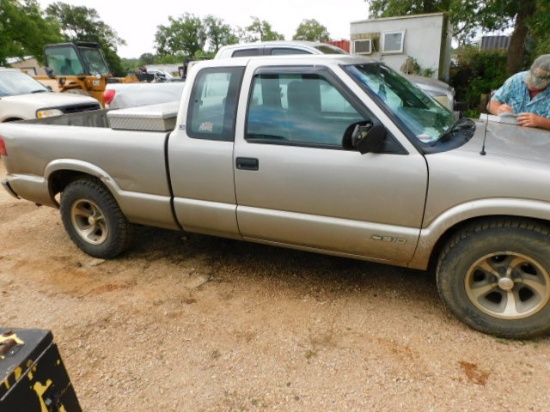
<point x="64" y="60"/>
<point x="94" y="60"/>
<point x="13" y="83"/>
<point x="419" y="113"/>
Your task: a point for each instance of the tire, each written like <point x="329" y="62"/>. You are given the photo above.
<point x="93" y="219"/>
<point x="495" y="277"/>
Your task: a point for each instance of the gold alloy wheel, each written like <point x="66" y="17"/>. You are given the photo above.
<point x="508" y="285"/>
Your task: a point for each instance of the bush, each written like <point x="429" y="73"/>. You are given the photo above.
<point x="478" y="73"/>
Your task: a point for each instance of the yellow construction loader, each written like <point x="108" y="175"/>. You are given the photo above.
<point x="79" y="68"/>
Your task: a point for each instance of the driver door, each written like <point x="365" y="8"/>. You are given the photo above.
<point x="299" y="184"/>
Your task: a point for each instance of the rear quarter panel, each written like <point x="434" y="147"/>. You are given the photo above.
<point x="130" y="163"/>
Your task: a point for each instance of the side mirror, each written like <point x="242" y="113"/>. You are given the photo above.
<point x="368" y="137"/>
<point x="49" y="72"/>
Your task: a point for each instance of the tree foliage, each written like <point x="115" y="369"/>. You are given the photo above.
<point x="183" y="36"/>
<point x="24" y="30"/>
<point x="218" y="33"/>
<point x="540" y="28"/>
<point x="147" y="58"/>
<point x="466" y="16"/>
<point x="529" y="18"/>
<point x="260" y="30"/>
<point x="82" y="24"/>
<point x="311" y="30"/>
<point x="477" y="74"/>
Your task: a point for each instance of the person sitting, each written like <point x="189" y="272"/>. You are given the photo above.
<point x="67" y="68"/>
<point x="527" y="95"/>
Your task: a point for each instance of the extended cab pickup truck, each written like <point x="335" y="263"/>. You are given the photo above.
<point x="329" y="154"/>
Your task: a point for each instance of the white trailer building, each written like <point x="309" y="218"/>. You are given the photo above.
<point x="426" y="38"/>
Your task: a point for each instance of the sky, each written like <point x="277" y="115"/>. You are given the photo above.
<point x="137" y="23"/>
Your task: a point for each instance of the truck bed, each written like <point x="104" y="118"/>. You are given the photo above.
<point x="128" y="157"/>
<point x="153" y="118"/>
<point x="96" y="118"/>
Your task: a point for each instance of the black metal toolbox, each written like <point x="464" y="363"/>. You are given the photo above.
<point x="32" y="374"/>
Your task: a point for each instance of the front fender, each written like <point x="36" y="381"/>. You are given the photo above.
<point x="453" y="218"/>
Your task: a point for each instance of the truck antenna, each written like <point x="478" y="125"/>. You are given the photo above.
<point x="483" y="152"/>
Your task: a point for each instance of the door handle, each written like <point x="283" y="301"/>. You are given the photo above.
<point x="247" y="163"/>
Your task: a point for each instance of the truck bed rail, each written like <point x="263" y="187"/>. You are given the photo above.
<point x="96" y="118"/>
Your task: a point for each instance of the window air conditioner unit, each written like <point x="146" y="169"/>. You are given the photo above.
<point x="362" y="46"/>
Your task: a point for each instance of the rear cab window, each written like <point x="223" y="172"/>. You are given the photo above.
<point x="279" y="51"/>
<point x="253" y="51"/>
<point x="213" y="104"/>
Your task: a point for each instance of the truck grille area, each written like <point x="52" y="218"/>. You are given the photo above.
<point x="80" y="108"/>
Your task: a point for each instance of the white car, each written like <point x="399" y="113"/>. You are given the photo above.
<point x="24" y="98"/>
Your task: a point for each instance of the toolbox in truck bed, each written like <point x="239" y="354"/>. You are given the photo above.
<point x="154" y="118"/>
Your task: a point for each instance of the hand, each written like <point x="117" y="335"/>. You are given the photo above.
<point x="529" y="120"/>
<point x="504" y="108"/>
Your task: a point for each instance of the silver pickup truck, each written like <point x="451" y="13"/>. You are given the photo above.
<point x="329" y="154"/>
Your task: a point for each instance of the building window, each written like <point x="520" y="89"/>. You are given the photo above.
<point x="393" y="41"/>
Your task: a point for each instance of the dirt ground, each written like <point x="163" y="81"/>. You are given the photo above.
<point x="195" y="323"/>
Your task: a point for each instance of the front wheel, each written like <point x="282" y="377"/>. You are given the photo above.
<point x="93" y="219"/>
<point x="495" y="277"/>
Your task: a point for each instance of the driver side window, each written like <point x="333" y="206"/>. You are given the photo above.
<point x="298" y="109"/>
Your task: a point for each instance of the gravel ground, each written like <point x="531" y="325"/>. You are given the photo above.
<point x="195" y="323"/>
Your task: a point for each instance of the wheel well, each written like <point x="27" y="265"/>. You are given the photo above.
<point x="11" y="119"/>
<point x="451" y="231"/>
<point x="60" y="179"/>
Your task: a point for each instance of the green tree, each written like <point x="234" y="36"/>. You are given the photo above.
<point x="184" y="36"/>
<point x="146" y="58"/>
<point x="24" y="30"/>
<point x="477" y="74"/>
<point x="529" y="18"/>
<point x="218" y="33"/>
<point x="311" y="30"/>
<point x="540" y="28"/>
<point x="260" y="30"/>
<point x="465" y="15"/>
<point x="524" y="14"/>
<point x="168" y="59"/>
<point x="81" y="24"/>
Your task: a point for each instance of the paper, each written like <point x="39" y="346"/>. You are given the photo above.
<point x="507" y="118"/>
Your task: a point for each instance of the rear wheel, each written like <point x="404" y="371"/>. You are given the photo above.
<point x="495" y="277"/>
<point x="93" y="219"/>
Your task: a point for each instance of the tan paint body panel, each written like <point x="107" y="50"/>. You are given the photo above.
<point x="389" y="208"/>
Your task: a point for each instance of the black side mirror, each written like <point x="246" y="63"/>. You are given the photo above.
<point x="49" y="72"/>
<point x="368" y="137"/>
